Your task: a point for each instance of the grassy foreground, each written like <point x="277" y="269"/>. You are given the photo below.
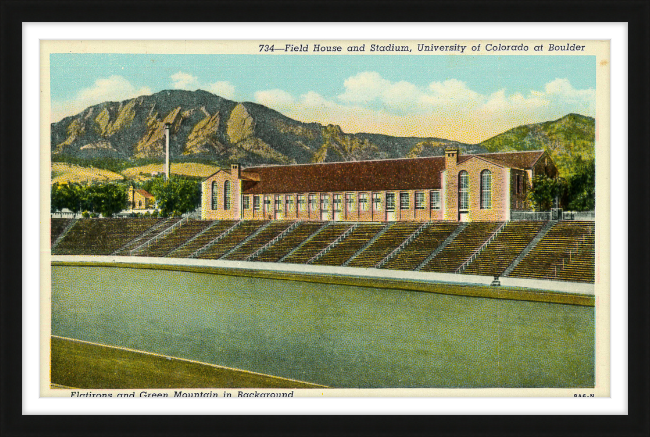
<point x="85" y="365"/>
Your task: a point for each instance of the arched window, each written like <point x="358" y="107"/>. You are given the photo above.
<point x="215" y="195"/>
<point x="486" y="189"/>
<point x="463" y="191"/>
<point x="226" y="195"/>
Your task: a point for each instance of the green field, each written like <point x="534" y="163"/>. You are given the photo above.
<point x="84" y="365"/>
<point x="330" y="334"/>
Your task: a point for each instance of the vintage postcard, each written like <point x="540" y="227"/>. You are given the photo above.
<point x="325" y="218"/>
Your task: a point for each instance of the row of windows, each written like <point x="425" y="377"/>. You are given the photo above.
<point x="309" y="203"/>
<point x="434" y="201"/>
<point x="463" y="190"/>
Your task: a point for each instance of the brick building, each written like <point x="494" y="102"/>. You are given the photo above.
<point x="451" y="187"/>
<point x="140" y="199"/>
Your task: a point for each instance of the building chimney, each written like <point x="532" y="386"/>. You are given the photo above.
<point x="131" y="196"/>
<point x="235" y="170"/>
<point x="167" y="126"/>
<point x="451" y="157"/>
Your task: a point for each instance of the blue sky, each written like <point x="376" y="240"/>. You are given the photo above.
<point x="467" y="98"/>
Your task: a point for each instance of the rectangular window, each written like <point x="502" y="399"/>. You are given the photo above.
<point x="337" y="202"/>
<point x="435" y="200"/>
<point x="363" y="201"/>
<point x="278" y="203"/>
<point x="419" y="200"/>
<point x="325" y="202"/>
<point x="246" y="202"/>
<point x="518" y="182"/>
<point x="288" y="200"/>
<point x="404" y="201"/>
<point x="267" y="204"/>
<point x="390" y="201"/>
<point x="376" y="201"/>
<point x="349" y="201"/>
<point x="256" y="203"/>
<point x="312" y="202"/>
<point x="302" y="205"/>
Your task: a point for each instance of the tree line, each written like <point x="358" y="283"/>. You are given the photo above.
<point x="575" y="193"/>
<point x="174" y="197"/>
<point x="180" y="194"/>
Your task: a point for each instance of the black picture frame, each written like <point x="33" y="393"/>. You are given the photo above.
<point x="635" y="13"/>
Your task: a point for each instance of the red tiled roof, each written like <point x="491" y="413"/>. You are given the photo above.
<point x="393" y="174"/>
<point x="521" y="160"/>
<point x="396" y="174"/>
<point x="144" y="193"/>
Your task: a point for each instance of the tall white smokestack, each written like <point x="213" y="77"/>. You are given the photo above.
<point x="167" y="126"/>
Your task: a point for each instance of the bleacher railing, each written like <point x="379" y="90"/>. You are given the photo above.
<point x="531" y="215"/>
<point x="163" y="234"/>
<point x="548" y="215"/>
<point x="277" y="238"/>
<point x="476" y="253"/>
<point x="568" y="255"/>
<point x="404" y="243"/>
<point x="332" y="245"/>
<point x="221" y="236"/>
<point x="579" y="215"/>
<point x="137" y="239"/>
<point x="305" y="241"/>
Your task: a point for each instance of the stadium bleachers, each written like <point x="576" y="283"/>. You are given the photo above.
<point x="470" y="239"/>
<point x="101" y="236"/>
<point x="565" y="253"/>
<point x="421" y="247"/>
<point x="57" y="227"/>
<point x="557" y="250"/>
<point x="259" y="240"/>
<point x="359" y="237"/>
<point x="210" y="234"/>
<point x="174" y="239"/>
<point x="157" y="227"/>
<point x="238" y="235"/>
<point x="320" y="241"/>
<point x="385" y="244"/>
<point x="580" y="267"/>
<point x="289" y="242"/>
<point x="502" y="251"/>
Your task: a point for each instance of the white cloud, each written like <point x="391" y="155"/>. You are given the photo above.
<point x="185" y="81"/>
<point x="447" y="109"/>
<point x="369" y="86"/>
<point x="364" y="87"/>
<point x="451" y="91"/>
<point x="274" y="98"/>
<point x="113" y="88"/>
<point x="222" y="88"/>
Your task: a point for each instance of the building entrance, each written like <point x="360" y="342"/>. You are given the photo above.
<point x="325" y="208"/>
<point x="391" y="215"/>
<point x="337" y="207"/>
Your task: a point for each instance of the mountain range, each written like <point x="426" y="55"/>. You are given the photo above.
<point x="206" y="127"/>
